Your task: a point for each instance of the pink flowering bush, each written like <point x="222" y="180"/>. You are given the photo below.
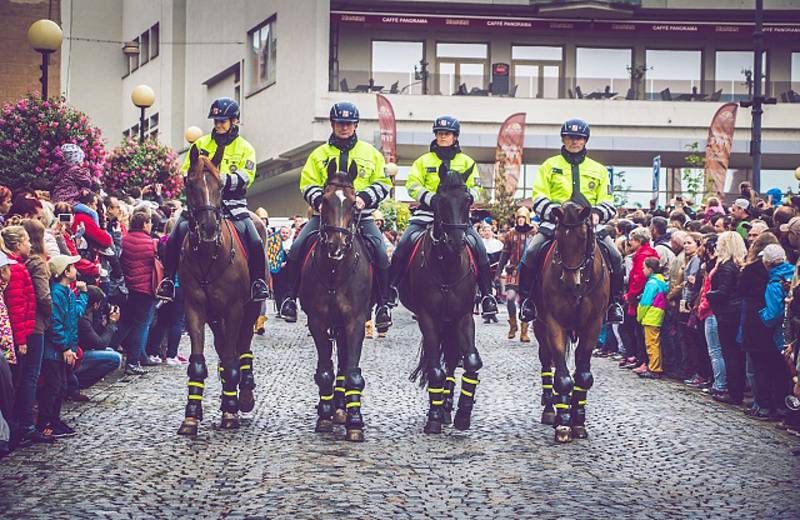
<point x="138" y="165"/>
<point x="32" y="131"/>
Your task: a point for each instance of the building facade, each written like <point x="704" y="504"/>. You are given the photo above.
<point x="647" y="74"/>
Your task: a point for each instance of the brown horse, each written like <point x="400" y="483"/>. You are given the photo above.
<point x="336" y="294"/>
<point x="440" y="290"/>
<point x="216" y="284"/>
<point x="572" y="295"/>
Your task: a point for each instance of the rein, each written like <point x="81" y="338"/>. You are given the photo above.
<point x="584" y="267"/>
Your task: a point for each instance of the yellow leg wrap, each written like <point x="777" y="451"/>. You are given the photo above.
<point x="582" y="403"/>
<point x="547" y="373"/>
<point x="468" y="394"/>
<point x="352" y="392"/>
<point x="435" y="390"/>
<point x="562" y="406"/>
<point x="351" y="405"/>
<point x="339" y="388"/>
<point x="195" y="383"/>
<point x="468" y="380"/>
<point x="231" y="394"/>
<point x="196" y="397"/>
<point x="547" y="386"/>
<point x="247" y="355"/>
<point x="326" y="397"/>
<point x="451" y="379"/>
<point x="579" y="389"/>
<point x="245" y="367"/>
<point x="437" y="403"/>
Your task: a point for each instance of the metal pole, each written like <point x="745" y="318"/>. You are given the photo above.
<point x="758" y="97"/>
<point x="45" y="60"/>
<point x="141" y="125"/>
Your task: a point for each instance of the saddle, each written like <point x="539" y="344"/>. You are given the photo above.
<point x="416" y="239"/>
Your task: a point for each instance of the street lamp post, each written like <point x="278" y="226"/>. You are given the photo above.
<point x="391" y="170"/>
<point x="192" y="134"/>
<point x="143" y="97"/>
<point x="45" y="36"/>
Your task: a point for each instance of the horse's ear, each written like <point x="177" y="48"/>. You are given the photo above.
<point x="352" y="172"/>
<point x="442" y="171"/>
<point x="194" y="155"/>
<point x="331" y="168"/>
<point x="557" y="213"/>
<point x="584" y="213"/>
<point x="466" y="175"/>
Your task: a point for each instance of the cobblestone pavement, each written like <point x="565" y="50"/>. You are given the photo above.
<point x="655" y="450"/>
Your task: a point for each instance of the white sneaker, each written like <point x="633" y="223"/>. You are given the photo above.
<point x="155" y="359"/>
<point x="174" y="361"/>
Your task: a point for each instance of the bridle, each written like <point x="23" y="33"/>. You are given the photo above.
<point x="194" y="225"/>
<point x="583" y="268"/>
<point x="445" y="227"/>
<point x="349" y="232"/>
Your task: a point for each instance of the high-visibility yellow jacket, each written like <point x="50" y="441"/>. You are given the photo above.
<point x="238" y="166"/>
<point x="553" y="185"/>
<point x="423" y="180"/>
<point x="371" y="183"/>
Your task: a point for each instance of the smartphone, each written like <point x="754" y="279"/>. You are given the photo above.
<point x="65" y="218"/>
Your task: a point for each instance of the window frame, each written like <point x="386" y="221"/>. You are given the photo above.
<point x="765" y="71"/>
<point x="372" y="55"/>
<point x="457" y="62"/>
<point x="632" y="62"/>
<point x="144" y="48"/>
<point x="702" y="80"/>
<point x="252" y="89"/>
<point x="540" y="64"/>
<point x="155" y="40"/>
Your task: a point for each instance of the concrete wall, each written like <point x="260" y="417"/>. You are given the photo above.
<point x="19" y="63"/>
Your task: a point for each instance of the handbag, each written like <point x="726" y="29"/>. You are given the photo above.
<point x="158" y="270"/>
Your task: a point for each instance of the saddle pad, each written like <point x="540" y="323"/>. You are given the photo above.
<point x="418" y="241"/>
<point x="314" y="241"/>
<point x="235" y="234"/>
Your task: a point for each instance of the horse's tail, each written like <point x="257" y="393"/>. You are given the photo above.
<point x="428" y="359"/>
<point x="452" y="352"/>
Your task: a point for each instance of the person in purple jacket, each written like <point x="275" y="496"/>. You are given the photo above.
<point x="72" y="177"/>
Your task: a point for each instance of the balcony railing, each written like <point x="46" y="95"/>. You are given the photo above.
<point x="553" y="87"/>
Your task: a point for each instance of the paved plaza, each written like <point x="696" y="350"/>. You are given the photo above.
<point x="656" y="449"/>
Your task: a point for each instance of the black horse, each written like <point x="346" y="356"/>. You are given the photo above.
<point x="440" y="289"/>
<point x="335" y="293"/>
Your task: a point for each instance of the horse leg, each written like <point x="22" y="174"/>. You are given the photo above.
<point x="354" y="382"/>
<point x="324" y="375"/>
<point x="247" y="382"/>
<point x="339" y="413"/>
<point x="562" y="382"/>
<point x="583" y="379"/>
<point x="226" y="337"/>
<point x="469" y="379"/>
<point x="197" y="372"/>
<point x="436" y="379"/>
<point x="545" y="358"/>
<point x="449" y="388"/>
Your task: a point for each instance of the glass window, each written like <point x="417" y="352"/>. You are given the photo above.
<point x="462" y="50"/>
<point x="133" y="60"/>
<point x="462" y="68"/>
<point x="262" y="55"/>
<point x="731" y="72"/>
<point x="144" y="48"/>
<point x="395" y="66"/>
<point x="678" y="71"/>
<point x="782" y="179"/>
<point x="795" y="71"/>
<point x="532" y="52"/>
<point x="154" y="41"/>
<point x="602" y="72"/>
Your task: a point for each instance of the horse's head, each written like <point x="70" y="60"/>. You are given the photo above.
<point x="338" y="211"/>
<point x="575" y="240"/>
<point x="451" y="208"/>
<point x="204" y="195"/>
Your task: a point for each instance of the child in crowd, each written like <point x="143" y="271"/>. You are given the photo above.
<point x="61" y="343"/>
<point x="650" y="313"/>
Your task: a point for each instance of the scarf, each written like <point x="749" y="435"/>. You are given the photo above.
<point x="445" y="153"/>
<point x="226" y="138"/>
<point x="522" y="229"/>
<point x="573" y="158"/>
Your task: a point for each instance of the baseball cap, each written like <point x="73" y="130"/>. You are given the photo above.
<point x="792" y="226"/>
<point x="5" y="260"/>
<point x="59" y="264"/>
<point x="773" y="253"/>
<point x="742" y="203"/>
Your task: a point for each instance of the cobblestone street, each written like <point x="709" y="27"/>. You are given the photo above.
<point x="656" y="449"/>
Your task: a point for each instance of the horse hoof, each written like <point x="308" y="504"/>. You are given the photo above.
<point x="563" y="434"/>
<point x="548" y="418"/>
<point x="324" y="426"/>
<point x="579" y="432"/>
<point x="189" y="427"/>
<point x="354" y="436"/>
<point x="230" y="421"/>
<point x="247" y="401"/>
<point x="461" y="422"/>
<point x="447" y="417"/>
<point x="339" y="416"/>
<point x="433" y="427"/>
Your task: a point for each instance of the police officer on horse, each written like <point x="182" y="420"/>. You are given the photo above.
<point x="372" y="186"/>
<point x="570" y="175"/>
<point x="237" y="168"/>
<point x="422" y="184"/>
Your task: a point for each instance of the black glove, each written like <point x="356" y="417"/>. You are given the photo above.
<point x="434" y="200"/>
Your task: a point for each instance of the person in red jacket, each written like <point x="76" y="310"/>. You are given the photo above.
<point x="639" y="245"/>
<point x="138" y="262"/>
<point x="85" y="214"/>
<point x="87" y="270"/>
<point x="19" y="295"/>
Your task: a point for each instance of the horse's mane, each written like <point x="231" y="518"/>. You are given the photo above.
<point x="340" y="179"/>
<point x="452" y="179"/>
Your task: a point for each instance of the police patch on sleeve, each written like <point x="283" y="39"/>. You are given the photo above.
<point x="249" y="165"/>
<point x="477" y="182"/>
<point x="592" y="185"/>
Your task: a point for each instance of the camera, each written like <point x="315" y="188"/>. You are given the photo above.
<point x="65" y="218"/>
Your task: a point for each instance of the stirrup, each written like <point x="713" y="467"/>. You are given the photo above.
<point x="288" y="310"/>
<point x="166" y="290"/>
<point x="527" y="311"/>
<point x="259" y="291"/>
<point x="382" y="325"/>
<point x="615" y="313"/>
<point x="488" y="306"/>
<point x="394" y="297"/>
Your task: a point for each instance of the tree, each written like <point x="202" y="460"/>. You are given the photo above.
<point x="138" y="165"/>
<point x="693" y="176"/>
<point x="395" y="215"/>
<point x="32" y="131"/>
<point x="503" y="206"/>
<point x="621" y="189"/>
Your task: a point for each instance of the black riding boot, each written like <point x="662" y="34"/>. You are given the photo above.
<point x="288" y="310"/>
<point x="383" y="316"/>
<point x="616" y="313"/>
<point x="488" y="303"/>
<point x="527" y="309"/>
<point x="166" y="289"/>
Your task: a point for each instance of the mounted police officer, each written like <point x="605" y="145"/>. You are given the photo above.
<point x="422" y="183"/>
<point x="556" y="182"/>
<point x="372" y="186"/>
<point x="237" y="168"/>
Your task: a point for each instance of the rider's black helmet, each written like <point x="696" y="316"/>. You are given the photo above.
<point x="344" y="112"/>
<point x="224" y="108"/>
<point x="575" y="128"/>
<point x="447" y="123"/>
